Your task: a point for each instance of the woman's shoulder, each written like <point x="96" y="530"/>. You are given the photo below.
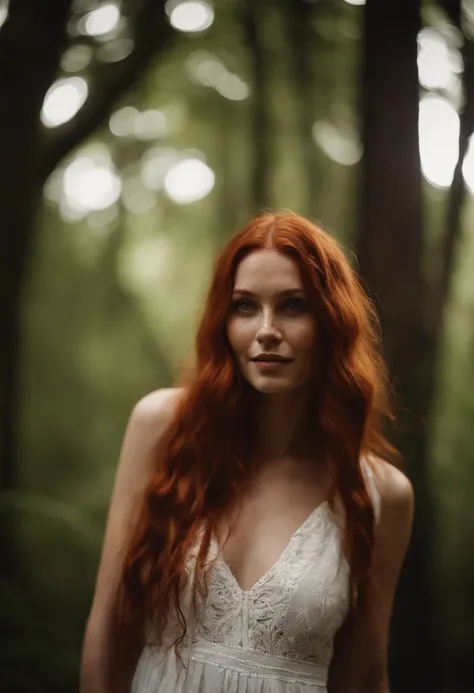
<point x="393" y="484"/>
<point x="394" y="489"/>
<point x="158" y="406"/>
<point x="148" y="421"/>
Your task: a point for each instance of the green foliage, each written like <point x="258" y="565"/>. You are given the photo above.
<point x="111" y="305"/>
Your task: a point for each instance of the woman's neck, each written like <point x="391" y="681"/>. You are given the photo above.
<point x="282" y="425"/>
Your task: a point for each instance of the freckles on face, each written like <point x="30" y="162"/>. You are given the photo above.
<point x="291" y="336"/>
<point x="270" y="314"/>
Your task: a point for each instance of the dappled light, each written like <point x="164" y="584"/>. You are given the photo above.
<point x="63" y="100"/>
<point x="3" y="11"/>
<point x="438" y="64"/>
<point x="76" y="58"/>
<point x="338" y="143"/>
<point x="122" y="122"/>
<point x="468" y="18"/>
<point x="144" y="125"/>
<point x="190" y="15"/>
<point x="149" y="125"/>
<point x="53" y="188"/>
<point x="439" y="133"/>
<point x="155" y="164"/>
<point x="138" y="135"/>
<point x="100" y="21"/>
<point x="205" y="68"/>
<point x="468" y="166"/>
<point x="188" y="180"/>
<point x="115" y="50"/>
<point x="90" y="183"/>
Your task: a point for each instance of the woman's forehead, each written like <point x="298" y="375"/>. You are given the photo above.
<point x="267" y="269"/>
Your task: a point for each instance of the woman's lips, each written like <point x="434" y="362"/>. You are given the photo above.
<point x="270" y="366"/>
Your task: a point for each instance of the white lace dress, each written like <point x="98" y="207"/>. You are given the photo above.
<point x="276" y="637"/>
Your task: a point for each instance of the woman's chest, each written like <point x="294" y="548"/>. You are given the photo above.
<point x="259" y="532"/>
<point x="292" y="609"/>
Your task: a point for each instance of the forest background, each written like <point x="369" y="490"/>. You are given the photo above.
<point x="136" y="137"/>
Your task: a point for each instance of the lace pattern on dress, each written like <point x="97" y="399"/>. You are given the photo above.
<point x="296" y="608"/>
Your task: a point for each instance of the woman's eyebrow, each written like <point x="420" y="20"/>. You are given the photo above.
<point x="285" y="292"/>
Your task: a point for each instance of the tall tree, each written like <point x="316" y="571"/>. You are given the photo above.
<point x="32" y="41"/>
<point x="252" y="21"/>
<point x="303" y="45"/>
<point x="450" y="244"/>
<point x="456" y="196"/>
<point x="391" y="244"/>
<point x="390" y="250"/>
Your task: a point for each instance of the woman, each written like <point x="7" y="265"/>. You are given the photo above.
<point x="256" y="531"/>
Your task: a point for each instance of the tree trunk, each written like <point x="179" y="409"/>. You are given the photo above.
<point x="38" y="31"/>
<point x="303" y="45"/>
<point x="259" y="104"/>
<point x="232" y="200"/>
<point x="390" y="249"/>
<point x="453" y="222"/>
<point x="458" y="665"/>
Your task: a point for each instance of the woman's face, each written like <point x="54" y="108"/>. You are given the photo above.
<point x="270" y="316"/>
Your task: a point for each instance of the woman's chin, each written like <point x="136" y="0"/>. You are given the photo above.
<point x="271" y="386"/>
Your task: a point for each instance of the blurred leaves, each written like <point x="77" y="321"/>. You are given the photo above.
<point x="112" y="296"/>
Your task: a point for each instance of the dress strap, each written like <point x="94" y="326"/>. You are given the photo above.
<point x="371" y="485"/>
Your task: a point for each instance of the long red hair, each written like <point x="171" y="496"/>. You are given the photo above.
<point x="203" y="460"/>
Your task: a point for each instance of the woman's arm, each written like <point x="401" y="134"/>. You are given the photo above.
<point x="359" y="664"/>
<point x="148" y="421"/>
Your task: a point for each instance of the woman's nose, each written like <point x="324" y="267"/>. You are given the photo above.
<point x="267" y="329"/>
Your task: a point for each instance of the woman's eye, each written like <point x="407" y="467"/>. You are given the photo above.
<point x="290" y="304"/>
<point x="295" y="304"/>
<point x="242" y="306"/>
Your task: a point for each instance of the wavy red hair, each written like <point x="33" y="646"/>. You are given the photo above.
<point x="203" y="461"/>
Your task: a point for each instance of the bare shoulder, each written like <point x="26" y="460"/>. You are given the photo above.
<point x="160" y="403"/>
<point x="137" y="463"/>
<point x="396" y="489"/>
<point x="396" y="518"/>
<point x="147" y="423"/>
<point x="157" y="408"/>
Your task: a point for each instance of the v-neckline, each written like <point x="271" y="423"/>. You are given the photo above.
<point x="220" y="558"/>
